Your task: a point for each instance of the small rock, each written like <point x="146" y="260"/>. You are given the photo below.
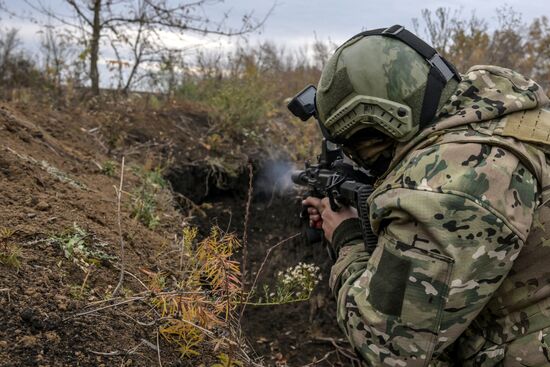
<point x="53" y="321"/>
<point x="43" y="206"/>
<point x="27" y="314"/>
<point x="60" y="297"/>
<point x="33" y="201"/>
<point x="30" y="317"/>
<point x="61" y="302"/>
<point x="53" y="337"/>
<point x="3" y="344"/>
<point x="28" y="341"/>
<point x="30" y="292"/>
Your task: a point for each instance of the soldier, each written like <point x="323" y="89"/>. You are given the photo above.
<point x="459" y="275"/>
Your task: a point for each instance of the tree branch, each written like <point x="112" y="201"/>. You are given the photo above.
<point x="79" y="12"/>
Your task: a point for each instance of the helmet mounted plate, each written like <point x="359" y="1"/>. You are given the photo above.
<point x="392" y="118"/>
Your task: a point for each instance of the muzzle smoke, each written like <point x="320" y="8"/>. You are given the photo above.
<point x="275" y="178"/>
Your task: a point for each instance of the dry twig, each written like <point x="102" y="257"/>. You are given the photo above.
<point x="147" y="343"/>
<point x="83" y="286"/>
<point x="350" y="355"/>
<point x="130" y="351"/>
<point x="158" y="350"/>
<point x="104" y="307"/>
<point x="135" y="277"/>
<point x="107" y="354"/>
<point x="269" y="251"/>
<point x="246" y="221"/>
<point x="182" y="252"/>
<point x="325" y="357"/>
<point x="141" y="323"/>
<point x="192" y="204"/>
<point x="118" y="197"/>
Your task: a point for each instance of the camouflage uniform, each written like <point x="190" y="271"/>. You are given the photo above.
<point x="463" y="217"/>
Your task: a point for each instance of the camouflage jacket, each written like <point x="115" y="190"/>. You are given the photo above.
<point x="459" y="276"/>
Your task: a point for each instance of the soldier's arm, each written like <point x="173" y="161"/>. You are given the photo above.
<point x="451" y="220"/>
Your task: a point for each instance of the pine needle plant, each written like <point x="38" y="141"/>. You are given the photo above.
<point x="201" y="305"/>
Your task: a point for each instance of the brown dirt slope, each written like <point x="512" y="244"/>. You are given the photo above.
<point x="51" y="179"/>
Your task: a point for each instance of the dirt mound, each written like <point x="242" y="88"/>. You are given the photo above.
<point x="57" y="178"/>
<point x="51" y="180"/>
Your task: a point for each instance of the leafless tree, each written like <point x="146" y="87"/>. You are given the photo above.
<point x="170" y="72"/>
<point x="137" y="25"/>
<point x="9" y="42"/>
<point x="438" y="26"/>
<point x="507" y="43"/>
<point x="17" y="68"/>
<point x="56" y="51"/>
<point x="512" y="44"/>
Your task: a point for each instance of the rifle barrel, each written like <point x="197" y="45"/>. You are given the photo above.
<point x="299" y="177"/>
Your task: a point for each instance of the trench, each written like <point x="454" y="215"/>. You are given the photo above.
<point x="293" y="333"/>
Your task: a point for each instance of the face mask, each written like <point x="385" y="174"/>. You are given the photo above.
<point x="375" y="153"/>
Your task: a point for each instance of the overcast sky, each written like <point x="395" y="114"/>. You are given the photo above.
<point x="341" y="19"/>
<point x="294" y="23"/>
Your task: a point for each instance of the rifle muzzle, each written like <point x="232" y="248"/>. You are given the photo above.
<point x="299" y="177"/>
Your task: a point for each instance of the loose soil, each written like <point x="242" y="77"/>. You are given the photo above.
<point x="51" y="179"/>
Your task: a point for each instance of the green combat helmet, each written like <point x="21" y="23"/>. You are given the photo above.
<point x="384" y="79"/>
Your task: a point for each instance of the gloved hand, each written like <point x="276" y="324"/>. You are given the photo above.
<point x="322" y="216"/>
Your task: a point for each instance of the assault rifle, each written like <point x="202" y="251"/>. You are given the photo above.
<point x="343" y="183"/>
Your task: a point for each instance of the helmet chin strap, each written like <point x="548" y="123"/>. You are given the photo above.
<point x="441" y="71"/>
